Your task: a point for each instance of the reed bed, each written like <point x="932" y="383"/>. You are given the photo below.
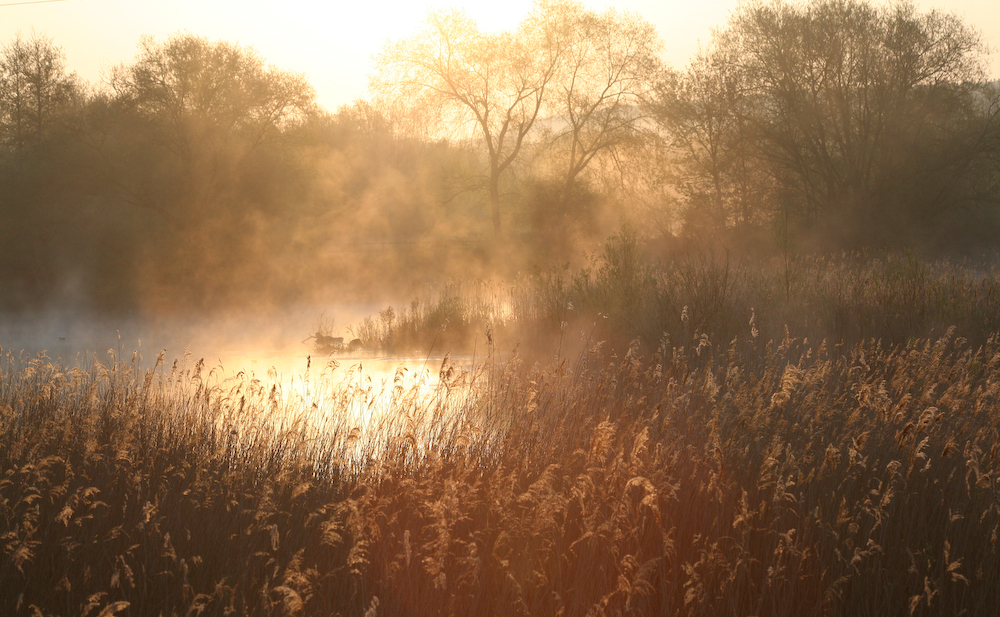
<point x="623" y="295"/>
<point x="750" y="479"/>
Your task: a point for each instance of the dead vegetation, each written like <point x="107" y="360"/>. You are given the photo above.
<point x="753" y="480"/>
<point x="623" y="294"/>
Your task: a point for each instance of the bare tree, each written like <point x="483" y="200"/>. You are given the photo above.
<point x="34" y="87"/>
<point x="605" y="83"/>
<point x="705" y="112"/>
<point x="845" y="88"/>
<point x="835" y="112"/>
<point x="193" y="111"/>
<point x="189" y="83"/>
<point x="489" y="87"/>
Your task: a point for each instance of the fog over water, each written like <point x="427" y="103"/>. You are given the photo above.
<point x="257" y="344"/>
<point x="160" y="211"/>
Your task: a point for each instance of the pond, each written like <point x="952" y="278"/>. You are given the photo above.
<point x="260" y="344"/>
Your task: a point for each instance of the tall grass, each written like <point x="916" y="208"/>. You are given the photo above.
<point x="779" y="480"/>
<point x="624" y="295"/>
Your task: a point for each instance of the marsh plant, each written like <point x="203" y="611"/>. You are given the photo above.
<point x="624" y="294"/>
<point x="693" y="481"/>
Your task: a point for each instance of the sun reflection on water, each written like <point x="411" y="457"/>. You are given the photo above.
<point x="365" y="402"/>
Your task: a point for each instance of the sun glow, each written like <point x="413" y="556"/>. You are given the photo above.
<point x="333" y="43"/>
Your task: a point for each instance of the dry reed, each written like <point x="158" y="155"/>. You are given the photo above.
<point x="695" y="482"/>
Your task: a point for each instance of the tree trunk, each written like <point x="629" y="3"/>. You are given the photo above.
<point x="495" y="202"/>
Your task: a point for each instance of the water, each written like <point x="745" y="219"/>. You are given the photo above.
<point x="257" y="345"/>
<point x="353" y="391"/>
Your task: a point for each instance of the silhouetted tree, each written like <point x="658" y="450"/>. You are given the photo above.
<point x="204" y="107"/>
<point x="705" y="112"/>
<point x="35" y="88"/>
<point x="605" y="80"/>
<point x="187" y="81"/>
<point x="473" y="84"/>
<point x="835" y="112"/>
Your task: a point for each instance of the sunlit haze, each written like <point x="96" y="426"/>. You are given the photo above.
<point x="333" y="43"/>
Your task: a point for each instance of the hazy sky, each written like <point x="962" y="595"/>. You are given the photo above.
<point x="333" y="42"/>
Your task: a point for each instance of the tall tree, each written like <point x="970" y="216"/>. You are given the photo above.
<point x="847" y="88"/>
<point x="835" y="111"/>
<point x="473" y="84"/>
<point x="188" y="83"/>
<point x="203" y="107"/>
<point x="705" y="111"/>
<point x="34" y="88"/>
<point x="606" y="80"/>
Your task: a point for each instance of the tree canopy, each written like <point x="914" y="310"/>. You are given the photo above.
<point x="35" y="88"/>
<point x="197" y="172"/>
<point x="847" y="108"/>
<point x="487" y="86"/>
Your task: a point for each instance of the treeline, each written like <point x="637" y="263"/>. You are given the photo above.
<point x="839" y="124"/>
<point x="198" y="175"/>
<point x="832" y="124"/>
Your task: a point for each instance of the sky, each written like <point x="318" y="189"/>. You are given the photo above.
<point x="333" y="42"/>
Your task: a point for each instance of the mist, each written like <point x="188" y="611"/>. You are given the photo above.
<point x="200" y="198"/>
<point x="543" y="326"/>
